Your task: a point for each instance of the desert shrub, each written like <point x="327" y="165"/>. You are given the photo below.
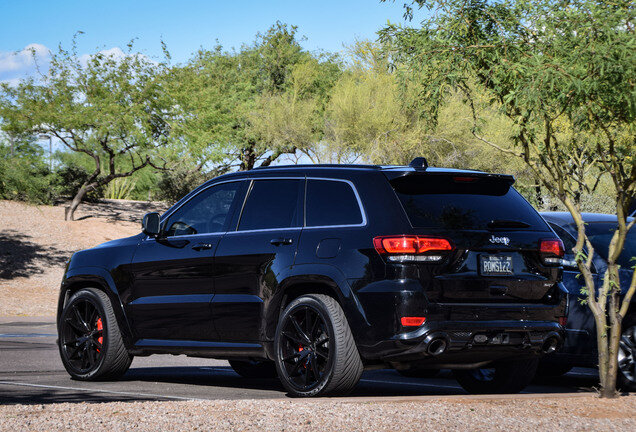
<point x="68" y="180"/>
<point x="120" y="188"/>
<point x="175" y="184"/>
<point x="24" y="175"/>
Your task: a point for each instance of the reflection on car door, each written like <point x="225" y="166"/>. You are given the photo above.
<point x="173" y="281"/>
<point x="250" y="258"/>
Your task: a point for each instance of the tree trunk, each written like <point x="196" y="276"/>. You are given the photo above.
<point x="69" y="213"/>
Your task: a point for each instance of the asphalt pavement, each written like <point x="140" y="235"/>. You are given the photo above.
<point x="31" y="373"/>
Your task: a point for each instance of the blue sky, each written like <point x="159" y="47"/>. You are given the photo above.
<point x="185" y="25"/>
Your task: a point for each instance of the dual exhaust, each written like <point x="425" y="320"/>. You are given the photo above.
<point x="437" y="343"/>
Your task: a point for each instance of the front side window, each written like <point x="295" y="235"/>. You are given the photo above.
<point x="600" y="235"/>
<point x="272" y="204"/>
<point x="331" y="202"/>
<point x="206" y="212"/>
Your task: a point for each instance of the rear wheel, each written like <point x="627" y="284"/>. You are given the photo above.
<point x="501" y="377"/>
<point x="315" y="351"/>
<point x="626" y="379"/>
<point x="255" y="369"/>
<point x="89" y="341"/>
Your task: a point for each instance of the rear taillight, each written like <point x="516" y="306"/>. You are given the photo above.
<point x="552" y="251"/>
<point x="412" y="321"/>
<point x="405" y="248"/>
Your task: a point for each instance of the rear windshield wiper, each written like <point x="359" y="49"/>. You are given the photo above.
<point x="504" y="223"/>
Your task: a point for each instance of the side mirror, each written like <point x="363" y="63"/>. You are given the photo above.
<point x="150" y="224"/>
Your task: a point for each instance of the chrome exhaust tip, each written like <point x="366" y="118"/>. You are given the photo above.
<point x="436" y="344"/>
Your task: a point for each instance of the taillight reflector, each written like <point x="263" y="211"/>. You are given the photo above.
<point x="552" y="247"/>
<point x="412" y="321"/>
<point x="563" y="321"/>
<point x="408" y="244"/>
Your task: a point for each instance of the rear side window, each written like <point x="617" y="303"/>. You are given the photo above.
<point x="455" y="202"/>
<point x="272" y="204"/>
<point x="600" y="235"/>
<point x="331" y="202"/>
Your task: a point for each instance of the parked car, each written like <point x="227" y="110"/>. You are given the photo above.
<point x="580" y="347"/>
<point x="313" y="273"/>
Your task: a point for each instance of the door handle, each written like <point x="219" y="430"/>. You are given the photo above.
<point x="281" y="241"/>
<point x="202" y="246"/>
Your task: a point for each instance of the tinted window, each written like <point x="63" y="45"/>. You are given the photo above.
<point x="206" y="212"/>
<point x="455" y="202"/>
<point x="600" y="235"/>
<point x="331" y="203"/>
<point x="271" y="204"/>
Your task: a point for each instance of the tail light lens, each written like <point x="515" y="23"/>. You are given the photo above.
<point x="412" y="321"/>
<point x="406" y="248"/>
<point x="552" y="251"/>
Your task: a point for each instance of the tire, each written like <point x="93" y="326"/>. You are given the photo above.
<point x="502" y="377"/>
<point x="416" y="372"/>
<point x="325" y="361"/>
<point x="626" y="376"/>
<point x="90" y="342"/>
<point x="254" y="369"/>
<point x="547" y="369"/>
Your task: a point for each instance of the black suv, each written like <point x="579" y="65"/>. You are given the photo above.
<point x="314" y="273"/>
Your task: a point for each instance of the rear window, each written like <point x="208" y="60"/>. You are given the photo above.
<point x="331" y="202"/>
<point x="600" y="235"/>
<point x="272" y="204"/>
<point x="456" y="202"/>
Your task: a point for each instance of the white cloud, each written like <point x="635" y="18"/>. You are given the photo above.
<point x="15" y="65"/>
<point x="114" y="52"/>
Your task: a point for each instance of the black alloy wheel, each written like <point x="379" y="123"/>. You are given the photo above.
<point x="90" y="341"/>
<point x="82" y="336"/>
<point x="305" y="351"/>
<point x="627" y="356"/>
<point x="316" y="354"/>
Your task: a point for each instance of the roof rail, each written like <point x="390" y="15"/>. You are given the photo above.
<point x="419" y="162"/>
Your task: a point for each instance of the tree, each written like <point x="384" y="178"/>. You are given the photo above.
<point x="236" y="107"/>
<point x="563" y="73"/>
<point x="110" y="107"/>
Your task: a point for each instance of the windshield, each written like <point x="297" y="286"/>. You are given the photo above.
<point x="600" y="235"/>
<point x="455" y="202"/>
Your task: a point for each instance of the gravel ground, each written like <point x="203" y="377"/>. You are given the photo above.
<point x="519" y="414"/>
<point x="36" y="241"/>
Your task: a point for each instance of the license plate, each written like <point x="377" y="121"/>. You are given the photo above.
<point x="493" y="265"/>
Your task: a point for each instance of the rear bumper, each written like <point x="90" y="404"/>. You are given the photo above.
<point x="465" y="343"/>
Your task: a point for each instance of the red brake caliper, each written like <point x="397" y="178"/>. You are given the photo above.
<point x="100" y="327"/>
<point x="300" y="348"/>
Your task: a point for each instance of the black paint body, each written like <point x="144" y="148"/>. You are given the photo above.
<point x="224" y="300"/>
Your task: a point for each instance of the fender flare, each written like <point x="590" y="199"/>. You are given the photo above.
<point x="96" y="277"/>
<point x="331" y="279"/>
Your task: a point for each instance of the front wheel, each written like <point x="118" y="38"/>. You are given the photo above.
<point x="501" y="377"/>
<point x="90" y="342"/>
<point x="315" y="351"/>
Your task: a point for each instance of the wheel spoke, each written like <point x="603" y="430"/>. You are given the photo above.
<point x="299" y="330"/>
<point x="75" y="326"/>
<point x="321" y="354"/>
<point x="292" y="338"/>
<point x="78" y="318"/>
<point x="314" y="367"/>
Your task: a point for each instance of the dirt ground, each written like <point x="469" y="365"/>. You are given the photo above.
<point x="35" y="243"/>
<point x="511" y="413"/>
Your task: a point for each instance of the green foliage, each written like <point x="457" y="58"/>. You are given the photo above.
<point x="120" y="188"/>
<point x="111" y="108"/>
<point x="68" y="179"/>
<point x="24" y="175"/>
<point x="175" y="184"/>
